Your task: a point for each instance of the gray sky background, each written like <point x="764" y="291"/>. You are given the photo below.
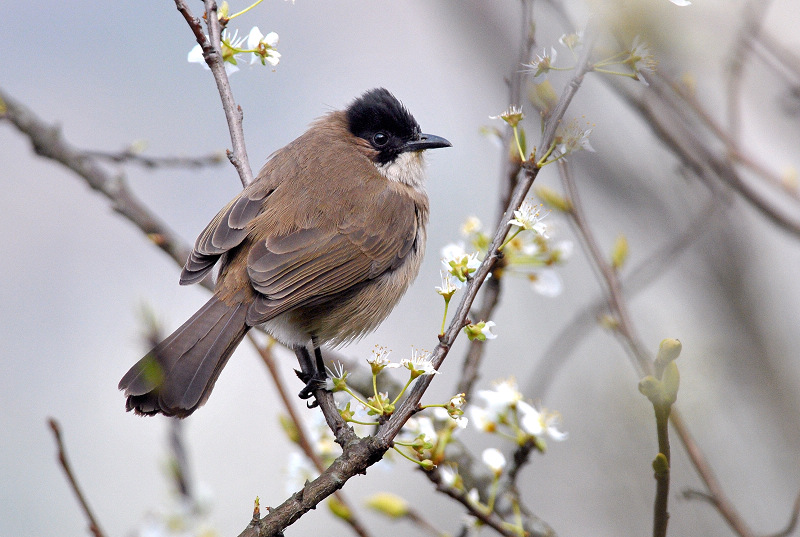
<point x="75" y="273"/>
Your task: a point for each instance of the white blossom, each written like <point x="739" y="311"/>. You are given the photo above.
<point x="541" y="424"/>
<point x="542" y="63"/>
<point x="487" y="330"/>
<point x="503" y="396"/>
<point x="547" y="282"/>
<point x="528" y="216"/>
<point x="265" y="47"/>
<point x="419" y="364"/>
<point x="495" y="460"/>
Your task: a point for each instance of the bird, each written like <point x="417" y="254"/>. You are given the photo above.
<point x="317" y="250"/>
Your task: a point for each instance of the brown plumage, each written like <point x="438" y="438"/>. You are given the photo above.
<point x="319" y="248"/>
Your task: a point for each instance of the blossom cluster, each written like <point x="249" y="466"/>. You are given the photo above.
<point x="531" y="255"/>
<point x="258" y="46"/>
<point x="505" y="411"/>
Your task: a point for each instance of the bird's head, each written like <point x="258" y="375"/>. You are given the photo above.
<point x="393" y="134"/>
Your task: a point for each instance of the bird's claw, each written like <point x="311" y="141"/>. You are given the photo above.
<point x="313" y="383"/>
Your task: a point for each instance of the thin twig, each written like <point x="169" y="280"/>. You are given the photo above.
<point x="609" y="276"/>
<point x="786" y="58"/>
<point x="754" y="13"/>
<point x="129" y="156"/>
<point x="490" y="519"/>
<point x="414" y="516"/>
<point x="638" y="278"/>
<point x="213" y="57"/>
<point x="735" y="152"/>
<point x="94" y="526"/>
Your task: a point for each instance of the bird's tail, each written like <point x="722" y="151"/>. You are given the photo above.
<point x="177" y="376"/>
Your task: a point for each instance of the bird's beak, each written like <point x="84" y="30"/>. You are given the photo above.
<point x="426" y="141"/>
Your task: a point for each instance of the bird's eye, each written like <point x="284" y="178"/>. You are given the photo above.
<point x="380" y="139"/>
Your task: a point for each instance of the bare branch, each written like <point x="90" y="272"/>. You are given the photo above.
<point x="94" y="526"/>
<point x="608" y="275"/>
<point x="754" y="13"/>
<point x="213" y="57"/>
<point x="490" y="519"/>
<point x="129" y="156"/>
<point x="638" y="278"/>
<point x="49" y="143"/>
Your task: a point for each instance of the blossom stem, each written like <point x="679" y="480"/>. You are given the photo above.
<point x="359" y="400"/>
<point x="375" y="390"/>
<point x="444" y="317"/>
<point x="363" y="422"/>
<point x="612" y="72"/>
<point x="512" y="438"/>
<point x="542" y="161"/>
<point x="612" y="60"/>
<point x="517" y="512"/>
<point x="404" y="455"/>
<point x="493" y="492"/>
<point x="519" y="145"/>
<point x="245" y="10"/>
<point x="509" y="239"/>
<point x="399" y="395"/>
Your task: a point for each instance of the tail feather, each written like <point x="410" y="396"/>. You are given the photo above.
<point x="177" y="376"/>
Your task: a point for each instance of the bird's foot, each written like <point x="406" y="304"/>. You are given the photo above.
<point x="313" y="383"/>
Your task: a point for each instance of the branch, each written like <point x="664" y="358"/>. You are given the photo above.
<point x="302" y="438"/>
<point x="48" y="142"/>
<point x="642" y="362"/>
<point x="608" y="274"/>
<point x="131" y="156"/>
<point x="490" y="519"/>
<point x="508" y="178"/>
<point x="213" y="57"/>
<point x="692" y="147"/>
<point x="94" y="527"/>
<point x="565" y="342"/>
<point x="754" y="13"/>
<point x="736" y="153"/>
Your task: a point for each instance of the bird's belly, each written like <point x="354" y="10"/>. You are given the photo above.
<point x="348" y="315"/>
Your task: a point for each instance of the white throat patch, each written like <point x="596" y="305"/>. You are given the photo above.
<point x="408" y="168"/>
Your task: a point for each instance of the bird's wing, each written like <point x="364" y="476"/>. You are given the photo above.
<point x="227" y="230"/>
<point x="301" y="267"/>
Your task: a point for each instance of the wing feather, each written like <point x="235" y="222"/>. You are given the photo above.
<point x="302" y="266"/>
<point x="225" y="231"/>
